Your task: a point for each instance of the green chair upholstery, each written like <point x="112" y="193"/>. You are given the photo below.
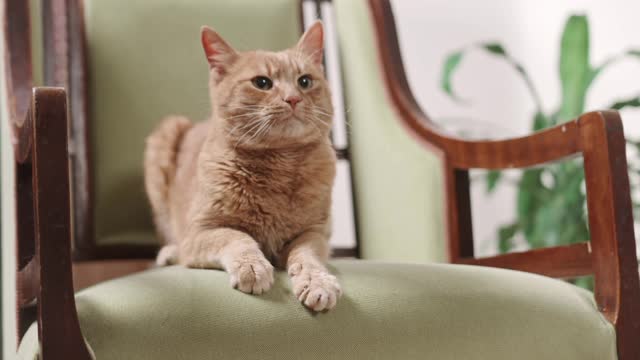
<point x="388" y="311"/>
<point x="146" y="62"/>
<point x="398" y="183"/>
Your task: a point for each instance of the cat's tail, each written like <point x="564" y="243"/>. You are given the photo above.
<point x="160" y="158"/>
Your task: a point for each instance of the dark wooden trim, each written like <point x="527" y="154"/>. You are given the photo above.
<point x="38" y="119"/>
<point x="18" y="69"/>
<point x="560" y="262"/>
<point x="617" y="287"/>
<point x="106" y="252"/>
<point x="78" y="87"/>
<point x="344" y="252"/>
<point x="88" y="273"/>
<point x="16" y="25"/>
<point x="65" y="65"/>
<point x="301" y="15"/>
<point x="597" y="136"/>
<point x="56" y="48"/>
<point x="343" y="154"/>
<point x="26" y="282"/>
<point x="459" y="223"/>
<point x="56" y="303"/>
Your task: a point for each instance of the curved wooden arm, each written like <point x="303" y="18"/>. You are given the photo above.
<point x="47" y="277"/>
<point x="597" y="136"/>
<point x="38" y="120"/>
<point x="544" y="146"/>
<point x="51" y="201"/>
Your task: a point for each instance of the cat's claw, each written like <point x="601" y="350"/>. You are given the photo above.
<point x="315" y="288"/>
<point x="251" y="274"/>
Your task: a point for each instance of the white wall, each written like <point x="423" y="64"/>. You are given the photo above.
<point x="499" y="104"/>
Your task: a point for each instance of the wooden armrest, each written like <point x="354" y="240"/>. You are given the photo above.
<point x="544" y="146"/>
<point x="43" y="163"/>
<point x="597" y="136"/>
<point x="38" y="120"/>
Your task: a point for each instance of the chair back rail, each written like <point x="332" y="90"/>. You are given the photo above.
<point x="65" y="65"/>
<point x="19" y="81"/>
<point x="38" y="120"/>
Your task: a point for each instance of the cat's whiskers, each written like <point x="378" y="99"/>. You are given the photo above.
<point x="317" y="110"/>
<point x="243" y="115"/>
<point x="255" y="117"/>
<point x="256" y="125"/>
<point x="312" y="119"/>
<point x="315" y="121"/>
<point x="318" y="116"/>
<point x="256" y="130"/>
<point x="264" y="129"/>
<point x="244" y="126"/>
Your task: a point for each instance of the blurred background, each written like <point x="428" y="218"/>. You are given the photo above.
<point x="494" y="100"/>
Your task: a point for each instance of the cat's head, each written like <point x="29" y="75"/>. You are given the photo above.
<point x="265" y="99"/>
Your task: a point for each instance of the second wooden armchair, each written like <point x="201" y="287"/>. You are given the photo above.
<point x="99" y="53"/>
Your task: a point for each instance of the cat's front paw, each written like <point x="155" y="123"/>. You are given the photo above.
<point x="251" y="273"/>
<point x="168" y="255"/>
<point x="315" y="287"/>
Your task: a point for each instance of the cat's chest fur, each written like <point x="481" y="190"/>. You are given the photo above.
<point x="272" y="195"/>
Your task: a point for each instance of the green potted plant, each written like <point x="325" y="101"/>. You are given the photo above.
<point x="551" y="203"/>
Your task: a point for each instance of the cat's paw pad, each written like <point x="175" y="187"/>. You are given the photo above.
<point x="315" y="288"/>
<point x="168" y="255"/>
<point x="251" y="274"/>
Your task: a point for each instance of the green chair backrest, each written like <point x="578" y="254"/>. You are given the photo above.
<point x="145" y="62"/>
<point x="398" y="184"/>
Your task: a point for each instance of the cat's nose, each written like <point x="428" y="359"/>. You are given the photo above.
<point x="293" y="101"/>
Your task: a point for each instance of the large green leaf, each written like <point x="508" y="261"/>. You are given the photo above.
<point x="492" y="180"/>
<point x="495" y="48"/>
<point x="540" y="121"/>
<point x="450" y="65"/>
<point x="531" y="196"/>
<point x="634" y="53"/>
<point x="585" y="282"/>
<point x="632" y="102"/>
<point x="575" y="71"/>
<point x="505" y="236"/>
<point x="453" y="61"/>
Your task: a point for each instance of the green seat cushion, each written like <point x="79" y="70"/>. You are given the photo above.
<point x="388" y="311"/>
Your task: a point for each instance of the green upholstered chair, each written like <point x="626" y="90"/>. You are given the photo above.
<point x="121" y="65"/>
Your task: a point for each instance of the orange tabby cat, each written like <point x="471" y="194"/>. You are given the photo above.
<point x="252" y="185"/>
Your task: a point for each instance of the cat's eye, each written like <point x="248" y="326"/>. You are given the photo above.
<point x="262" y="82"/>
<point x="305" y="81"/>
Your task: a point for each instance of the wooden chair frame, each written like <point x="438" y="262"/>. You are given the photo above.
<point x="45" y="203"/>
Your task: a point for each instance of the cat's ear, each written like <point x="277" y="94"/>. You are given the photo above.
<point x="312" y="43"/>
<point x="219" y="53"/>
